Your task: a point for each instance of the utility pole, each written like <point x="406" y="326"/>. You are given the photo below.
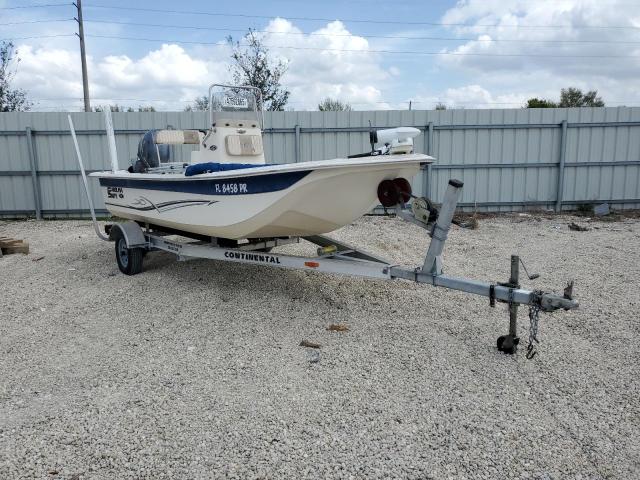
<point x="409" y="104"/>
<point x="83" y="57"/>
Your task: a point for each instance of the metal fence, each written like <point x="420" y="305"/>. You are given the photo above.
<point x="509" y="159"/>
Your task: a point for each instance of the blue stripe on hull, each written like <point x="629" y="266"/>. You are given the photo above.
<point x="225" y="186"/>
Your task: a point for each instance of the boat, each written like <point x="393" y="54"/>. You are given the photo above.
<point x="228" y="191"/>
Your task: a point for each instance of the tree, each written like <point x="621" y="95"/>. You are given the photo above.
<point x="199" y="104"/>
<point x="540" y="103"/>
<point x="569" y="97"/>
<point x="331" y="105"/>
<point x="253" y="66"/>
<point x="440" y="106"/>
<point x="120" y="108"/>
<point x="113" y="108"/>
<point x="573" y="97"/>
<point x="11" y="99"/>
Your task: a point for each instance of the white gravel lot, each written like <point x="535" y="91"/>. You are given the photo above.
<point x="194" y="369"/>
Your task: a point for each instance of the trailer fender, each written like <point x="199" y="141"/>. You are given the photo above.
<point x="131" y="232"/>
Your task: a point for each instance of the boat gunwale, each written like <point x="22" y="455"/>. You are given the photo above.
<point x="372" y="161"/>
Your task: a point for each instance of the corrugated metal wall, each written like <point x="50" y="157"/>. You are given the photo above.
<point x="509" y="159"/>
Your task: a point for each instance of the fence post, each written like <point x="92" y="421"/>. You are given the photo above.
<point x="34" y="173"/>
<point x="563" y="152"/>
<point x="297" y="144"/>
<point x="428" y="134"/>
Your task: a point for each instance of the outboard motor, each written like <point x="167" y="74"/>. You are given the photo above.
<point x="394" y="141"/>
<point x="150" y="154"/>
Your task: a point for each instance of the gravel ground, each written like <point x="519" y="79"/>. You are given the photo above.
<point x="194" y="369"/>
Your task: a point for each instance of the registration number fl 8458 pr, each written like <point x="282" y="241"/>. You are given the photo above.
<point x="231" y="188"/>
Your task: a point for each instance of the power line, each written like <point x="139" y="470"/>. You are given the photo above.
<point x="37" y="21"/>
<point x="402" y="52"/>
<point x="348" y="35"/>
<point x="341" y="50"/>
<point x="390" y="37"/>
<point x="298" y="102"/>
<point x="39" y="36"/>
<point x="44" y="5"/>
<point x="351" y="20"/>
<point x="310" y="106"/>
<point x="114" y="99"/>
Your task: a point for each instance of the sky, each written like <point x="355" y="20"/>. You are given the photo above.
<point x="372" y="55"/>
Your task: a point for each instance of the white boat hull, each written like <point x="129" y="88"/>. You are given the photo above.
<point x="285" y="200"/>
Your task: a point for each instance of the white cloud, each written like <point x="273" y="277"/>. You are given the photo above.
<point x="169" y="66"/>
<point x="331" y="61"/>
<point x="166" y="77"/>
<point x="474" y="96"/>
<point x="50" y="73"/>
<point x="328" y="62"/>
<point x="560" y="57"/>
<point x="470" y="96"/>
<point x="169" y="76"/>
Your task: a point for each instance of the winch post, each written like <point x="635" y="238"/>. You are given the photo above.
<point x="433" y="261"/>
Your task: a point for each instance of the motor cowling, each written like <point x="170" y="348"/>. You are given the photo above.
<point x="150" y="154"/>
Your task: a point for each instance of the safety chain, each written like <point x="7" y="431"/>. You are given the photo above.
<point x="534" y="317"/>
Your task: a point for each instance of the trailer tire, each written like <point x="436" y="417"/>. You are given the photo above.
<point x="129" y="259"/>
<point x="507" y="344"/>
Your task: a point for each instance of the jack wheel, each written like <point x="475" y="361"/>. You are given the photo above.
<point x="129" y="259"/>
<point x="508" y="344"/>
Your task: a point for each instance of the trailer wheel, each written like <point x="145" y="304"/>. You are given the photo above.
<point x="507" y="344"/>
<point x="129" y="259"/>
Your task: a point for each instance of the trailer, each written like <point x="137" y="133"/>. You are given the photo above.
<point x="133" y="240"/>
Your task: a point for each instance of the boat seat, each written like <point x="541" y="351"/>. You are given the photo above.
<point x="238" y="145"/>
<point x="177" y="137"/>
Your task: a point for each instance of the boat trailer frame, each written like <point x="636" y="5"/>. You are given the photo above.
<point x="340" y="258"/>
<point x="133" y="240"/>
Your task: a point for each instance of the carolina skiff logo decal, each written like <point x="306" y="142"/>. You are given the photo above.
<point x="254" y="257"/>
<point x="115" y="192"/>
<point x="144" y="204"/>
